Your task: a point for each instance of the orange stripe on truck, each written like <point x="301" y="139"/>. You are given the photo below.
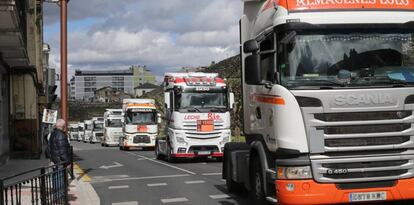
<point x="270" y="99"/>
<point x="307" y="192"/>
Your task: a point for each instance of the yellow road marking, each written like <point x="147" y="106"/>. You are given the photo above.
<point x="81" y="173"/>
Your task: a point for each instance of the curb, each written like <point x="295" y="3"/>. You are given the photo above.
<point x="85" y="193"/>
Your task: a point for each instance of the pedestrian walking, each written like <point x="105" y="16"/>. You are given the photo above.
<point x="60" y="156"/>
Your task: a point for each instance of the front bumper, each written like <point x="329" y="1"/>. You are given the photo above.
<point x="310" y="192"/>
<point x="194" y="155"/>
<point x="129" y="141"/>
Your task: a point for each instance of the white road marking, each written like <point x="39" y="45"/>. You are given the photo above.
<point x="116" y="164"/>
<point x="195" y="182"/>
<point x="174" y="200"/>
<point x="111" y="176"/>
<point x="211" y="174"/>
<point x="165" y="164"/>
<point x="220" y="196"/>
<point x="126" y="203"/>
<point x="139" y="178"/>
<point x="158" y="184"/>
<point x="119" y="187"/>
<point x="203" y="163"/>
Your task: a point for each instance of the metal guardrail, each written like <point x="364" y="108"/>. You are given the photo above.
<point x="42" y="186"/>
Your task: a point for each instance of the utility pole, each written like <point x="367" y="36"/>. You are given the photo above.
<point x="64" y="60"/>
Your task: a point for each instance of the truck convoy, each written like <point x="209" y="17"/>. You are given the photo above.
<point x="81" y="133"/>
<point x="140" y="126"/>
<point x="197" y="116"/>
<point x="113" y="119"/>
<point x="97" y="130"/>
<point x="88" y="130"/>
<point x="328" y="102"/>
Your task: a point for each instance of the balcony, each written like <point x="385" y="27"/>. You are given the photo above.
<point x="13" y="32"/>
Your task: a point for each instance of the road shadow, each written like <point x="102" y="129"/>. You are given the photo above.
<point x="236" y="198"/>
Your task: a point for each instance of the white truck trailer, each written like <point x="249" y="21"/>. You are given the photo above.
<point x="88" y="130"/>
<point x="328" y="102"/>
<point x="113" y="120"/>
<point x="140" y="124"/>
<point x="197" y="115"/>
<point x="97" y="130"/>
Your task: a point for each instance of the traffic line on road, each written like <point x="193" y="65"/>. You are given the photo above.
<point x="126" y="203"/>
<point x="195" y="182"/>
<point x="157" y="184"/>
<point x="165" y="164"/>
<point x="118" y="187"/>
<point x="140" y="178"/>
<point x="220" y="196"/>
<point x="211" y="174"/>
<point x="81" y="173"/>
<point x="174" y="200"/>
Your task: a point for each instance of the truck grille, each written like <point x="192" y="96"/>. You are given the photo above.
<point x="203" y="148"/>
<point x="142" y="139"/>
<point x="99" y="134"/>
<point x="192" y="126"/>
<point x="342" y="144"/>
<point x="363" y="169"/>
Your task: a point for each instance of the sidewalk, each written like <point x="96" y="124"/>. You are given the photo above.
<point x="80" y="190"/>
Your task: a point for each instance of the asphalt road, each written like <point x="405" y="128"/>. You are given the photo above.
<point x="136" y="177"/>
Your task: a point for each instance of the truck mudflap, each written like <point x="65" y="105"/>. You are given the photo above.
<point x="194" y="155"/>
<point x="301" y="192"/>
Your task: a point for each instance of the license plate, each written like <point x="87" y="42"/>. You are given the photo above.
<point x="204" y="153"/>
<point x="368" y="196"/>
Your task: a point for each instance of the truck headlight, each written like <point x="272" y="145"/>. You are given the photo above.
<point x="294" y="172"/>
<point x="225" y="140"/>
<point x="180" y="140"/>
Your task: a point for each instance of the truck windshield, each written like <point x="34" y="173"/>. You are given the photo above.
<point x="88" y="127"/>
<point x="114" y="123"/>
<point x="137" y="118"/>
<point x="98" y="126"/>
<point x="80" y="129"/>
<point x="211" y="100"/>
<point x="74" y="130"/>
<point x="346" y="60"/>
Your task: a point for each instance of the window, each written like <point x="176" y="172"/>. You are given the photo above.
<point x="267" y="58"/>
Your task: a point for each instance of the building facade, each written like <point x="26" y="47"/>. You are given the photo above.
<point x="145" y="88"/>
<point x="21" y="76"/>
<point x="85" y="83"/>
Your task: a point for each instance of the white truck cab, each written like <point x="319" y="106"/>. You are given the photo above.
<point x="73" y="131"/>
<point x="198" y="116"/>
<point x="140" y="125"/>
<point x="81" y="127"/>
<point x="113" y="121"/>
<point x="328" y="102"/>
<point x="88" y="130"/>
<point x="97" y="131"/>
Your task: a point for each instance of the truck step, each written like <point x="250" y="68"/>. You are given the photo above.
<point x="271" y="200"/>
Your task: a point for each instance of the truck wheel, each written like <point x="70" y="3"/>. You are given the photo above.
<point x="170" y="158"/>
<point x="157" y="151"/>
<point x="257" y="195"/>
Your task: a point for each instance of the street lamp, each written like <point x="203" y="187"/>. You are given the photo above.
<point x="63" y="4"/>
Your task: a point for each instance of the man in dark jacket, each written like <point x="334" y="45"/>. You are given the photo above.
<point x="60" y="155"/>
<point x="59" y="144"/>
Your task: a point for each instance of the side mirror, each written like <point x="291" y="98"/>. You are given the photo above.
<point x="159" y="119"/>
<point x="231" y="100"/>
<point x="250" y="46"/>
<point x="252" y="71"/>
<point x="167" y="100"/>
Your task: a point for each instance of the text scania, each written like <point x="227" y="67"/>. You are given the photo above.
<point x="379" y="99"/>
<point x="304" y="3"/>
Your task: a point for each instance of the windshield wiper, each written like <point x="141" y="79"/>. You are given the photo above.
<point x="318" y="82"/>
<point x="193" y="109"/>
<point x="219" y="109"/>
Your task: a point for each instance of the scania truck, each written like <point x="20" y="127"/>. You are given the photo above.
<point x="113" y="119"/>
<point x="197" y="116"/>
<point x="328" y="102"/>
<point x="140" y="126"/>
<point x="97" y="130"/>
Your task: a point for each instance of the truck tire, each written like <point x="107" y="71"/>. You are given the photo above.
<point x="256" y="193"/>
<point x="157" y="151"/>
<point x="170" y="158"/>
<point x="232" y="186"/>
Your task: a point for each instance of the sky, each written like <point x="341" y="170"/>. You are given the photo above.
<point x="164" y="35"/>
